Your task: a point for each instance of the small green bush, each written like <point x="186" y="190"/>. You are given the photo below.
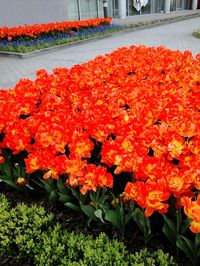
<point x="102" y="251"/>
<point x="4" y="217"/>
<point x="56" y="248"/>
<point x="21" y="227"/>
<point x="50" y="250"/>
<point x="27" y="234"/>
<point x="156" y="258"/>
<point x="4" y="204"/>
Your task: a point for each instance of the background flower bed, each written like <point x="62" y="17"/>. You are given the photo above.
<point x="111" y="138"/>
<point x="28" y="38"/>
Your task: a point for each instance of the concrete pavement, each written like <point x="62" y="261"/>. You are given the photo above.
<point x="174" y="15"/>
<point x="177" y="35"/>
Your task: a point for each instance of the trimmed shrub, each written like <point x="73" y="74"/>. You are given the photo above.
<point x="146" y="258"/>
<point x="58" y="248"/>
<point x="27" y="234"/>
<point x="4" y="218"/>
<point x="21" y="228"/>
<point x="4" y="203"/>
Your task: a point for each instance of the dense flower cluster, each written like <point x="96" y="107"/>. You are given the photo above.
<point x="138" y="108"/>
<point x="34" y="31"/>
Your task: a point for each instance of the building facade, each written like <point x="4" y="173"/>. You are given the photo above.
<point x="82" y="9"/>
<point x="19" y="12"/>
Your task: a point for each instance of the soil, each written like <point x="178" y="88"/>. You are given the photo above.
<point x="73" y="221"/>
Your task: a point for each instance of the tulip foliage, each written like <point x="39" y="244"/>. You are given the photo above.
<point x="127" y="124"/>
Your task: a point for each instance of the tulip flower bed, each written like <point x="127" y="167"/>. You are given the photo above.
<point x="117" y="138"/>
<point x="27" y="38"/>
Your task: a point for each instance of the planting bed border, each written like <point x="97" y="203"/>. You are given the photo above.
<point x="126" y="28"/>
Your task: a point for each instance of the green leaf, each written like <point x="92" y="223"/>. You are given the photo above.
<point x="128" y="216"/>
<point x="5" y="168"/>
<point x="187" y="246"/>
<point x="75" y="193"/>
<point x="48" y="185"/>
<point x="102" y="199"/>
<point x="88" y="210"/>
<point x="120" y="209"/>
<point x="10" y="183"/>
<point x="138" y="217"/>
<point x="89" y="220"/>
<point x="61" y="186"/>
<point x="92" y="197"/>
<point x="185" y="226"/>
<point x="53" y="196"/>
<point x="39" y="183"/>
<point x="73" y="206"/>
<point x="105" y="206"/>
<point x="113" y="217"/>
<point x="23" y="171"/>
<point x="64" y="198"/>
<point x="29" y="187"/>
<point x="197" y="243"/>
<point x="169" y="229"/>
<point x="3" y="178"/>
<point x="99" y="214"/>
<point x="143" y="223"/>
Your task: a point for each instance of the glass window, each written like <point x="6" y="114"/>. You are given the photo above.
<point x="72" y="10"/>
<point x="88" y="9"/>
<point x="157" y="6"/>
<point x="187" y="4"/>
<point x="179" y="4"/>
<point x="115" y="9"/>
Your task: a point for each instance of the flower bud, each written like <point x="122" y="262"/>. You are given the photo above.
<point x="115" y="202"/>
<point x="92" y="204"/>
<point x="21" y="181"/>
<point x="2" y="160"/>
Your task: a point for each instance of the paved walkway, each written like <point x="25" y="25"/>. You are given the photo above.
<point x="176" y="35"/>
<point x="157" y="16"/>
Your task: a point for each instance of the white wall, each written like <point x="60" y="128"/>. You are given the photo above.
<point x="19" y="12"/>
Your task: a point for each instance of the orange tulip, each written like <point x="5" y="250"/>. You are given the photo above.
<point x="192" y="210"/>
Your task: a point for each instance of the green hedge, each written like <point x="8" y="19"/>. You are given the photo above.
<point x="21" y="228"/>
<point x="28" y="234"/>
